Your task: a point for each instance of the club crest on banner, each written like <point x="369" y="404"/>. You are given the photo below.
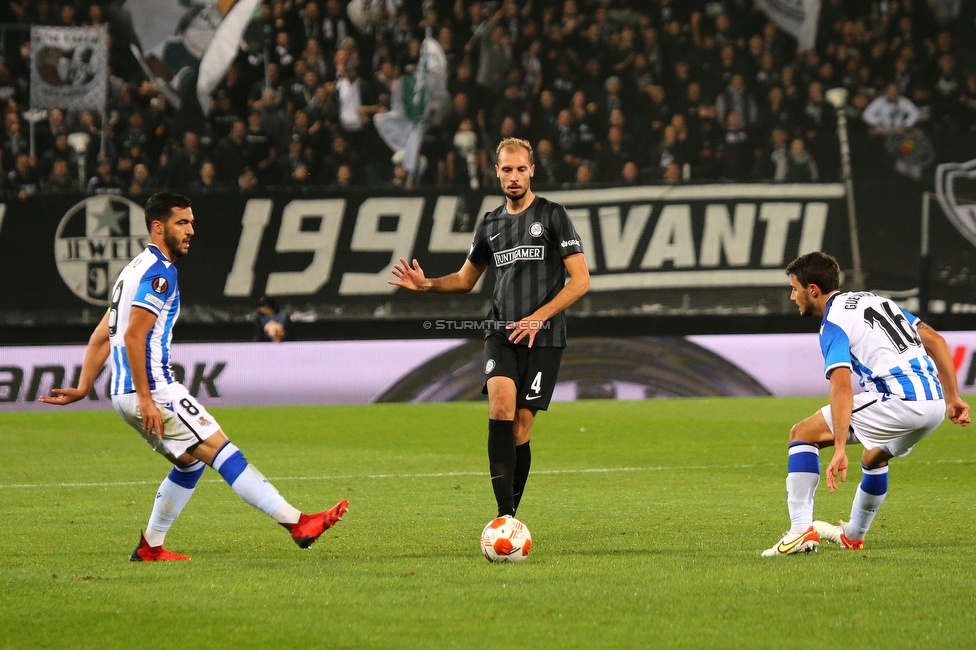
<point x="955" y="188"/>
<point x="69" y="67"/>
<point x="95" y="240"/>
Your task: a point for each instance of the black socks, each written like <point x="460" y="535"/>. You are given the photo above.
<point x="523" y="460"/>
<point x="501" y="463"/>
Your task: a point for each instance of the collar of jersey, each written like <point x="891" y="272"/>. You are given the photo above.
<point x="830" y="301"/>
<point x="158" y="253"/>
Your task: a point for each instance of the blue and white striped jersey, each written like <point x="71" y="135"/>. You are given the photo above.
<point x="148" y="282"/>
<point x="878" y="340"/>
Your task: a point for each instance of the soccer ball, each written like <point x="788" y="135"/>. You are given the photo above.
<point x="505" y="539"/>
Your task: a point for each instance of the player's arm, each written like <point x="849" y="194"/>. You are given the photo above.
<point x="841" y="405"/>
<point x="579" y="284"/>
<point x="413" y="278"/>
<point x="141" y="321"/>
<point x="935" y="347"/>
<point x="96" y="353"/>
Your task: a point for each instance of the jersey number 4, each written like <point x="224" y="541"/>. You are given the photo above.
<point x="895" y="326"/>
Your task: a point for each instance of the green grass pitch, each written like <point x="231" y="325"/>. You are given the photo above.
<point x="647" y="519"/>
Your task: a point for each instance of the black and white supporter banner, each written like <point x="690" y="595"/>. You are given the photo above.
<point x="796" y="17"/>
<point x="707" y="248"/>
<point x="69" y="67"/>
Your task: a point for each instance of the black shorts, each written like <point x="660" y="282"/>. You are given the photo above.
<point x="533" y="370"/>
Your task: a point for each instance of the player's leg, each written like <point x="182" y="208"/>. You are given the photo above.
<point x="870" y="494"/>
<point x="172" y="496"/>
<point x="501" y="442"/>
<point x="803" y="468"/>
<point x="254" y="489"/>
<point x="802" y="479"/>
<point x="175" y="490"/>
<point x="524" y="417"/>
<point x="538" y="371"/>
<point x="889" y="429"/>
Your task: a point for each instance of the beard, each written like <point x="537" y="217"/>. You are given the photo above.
<point x="173" y="244"/>
<point x="516" y="195"/>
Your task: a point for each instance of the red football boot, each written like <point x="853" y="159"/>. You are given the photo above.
<point x="309" y="527"/>
<point x="146" y="553"/>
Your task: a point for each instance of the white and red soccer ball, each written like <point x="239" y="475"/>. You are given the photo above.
<point x="505" y="539"/>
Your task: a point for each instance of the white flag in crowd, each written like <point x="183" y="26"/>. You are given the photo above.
<point x="69" y="67"/>
<point x="177" y="38"/>
<point x="417" y="97"/>
<point x="796" y="17"/>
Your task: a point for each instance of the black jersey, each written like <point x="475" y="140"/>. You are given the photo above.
<point x="527" y="251"/>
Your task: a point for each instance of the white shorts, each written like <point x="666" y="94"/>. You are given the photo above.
<point x="185" y="421"/>
<point x="891" y="423"/>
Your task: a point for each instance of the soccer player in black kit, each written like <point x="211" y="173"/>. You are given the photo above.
<point x="533" y="244"/>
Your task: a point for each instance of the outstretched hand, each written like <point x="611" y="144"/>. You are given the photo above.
<point x="63" y="396"/>
<point x="408" y="277"/>
<point x="958" y="411"/>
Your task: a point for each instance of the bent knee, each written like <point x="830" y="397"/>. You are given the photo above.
<point x="796" y="432"/>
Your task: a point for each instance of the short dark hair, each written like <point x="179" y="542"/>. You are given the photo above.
<point x="161" y="205"/>
<point x="816" y="268"/>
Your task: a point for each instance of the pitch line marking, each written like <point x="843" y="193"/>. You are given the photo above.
<point x="595" y="470"/>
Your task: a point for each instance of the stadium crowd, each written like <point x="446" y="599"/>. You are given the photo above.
<point x="607" y="91"/>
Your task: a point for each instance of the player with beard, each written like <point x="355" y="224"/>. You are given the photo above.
<point x="533" y="245"/>
<point x="909" y="382"/>
<point x="137" y="331"/>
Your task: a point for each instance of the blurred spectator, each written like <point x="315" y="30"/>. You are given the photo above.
<point x="800" y="166"/>
<point x="775" y="164"/>
<point x="47" y="131"/>
<point x="736" y="98"/>
<point x="630" y="174"/>
<point x="737" y="150"/>
<point x="890" y="113"/>
<point x="612" y="157"/>
<point x="207" y="182"/>
<point x="60" y="180"/>
<point x="232" y="154"/>
<point x="672" y="174"/>
<point x="183" y="164"/>
<point x="247" y="182"/>
<point x="15" y="142"/>
<point x="271" y="324"/>
<point x="60" y="150"/>
<point x="22" y="180"/>
<point x="340" y="154"/>
<point x="104" y="181"/>
<point x="143" y="184"/>
<point x="548" y="169"/>
<point x="584" y="176"/>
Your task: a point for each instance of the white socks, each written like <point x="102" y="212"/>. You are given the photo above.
<point x="803" y="476"/>
<point x="173" y="494"/>
<point x="251" y="486"/>
<point x="870" y="495"/>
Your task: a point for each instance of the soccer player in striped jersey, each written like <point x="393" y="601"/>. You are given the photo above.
<point x="533" y="246"/>
<point x="909" y="383"/>
<point x="137" y="331"/>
